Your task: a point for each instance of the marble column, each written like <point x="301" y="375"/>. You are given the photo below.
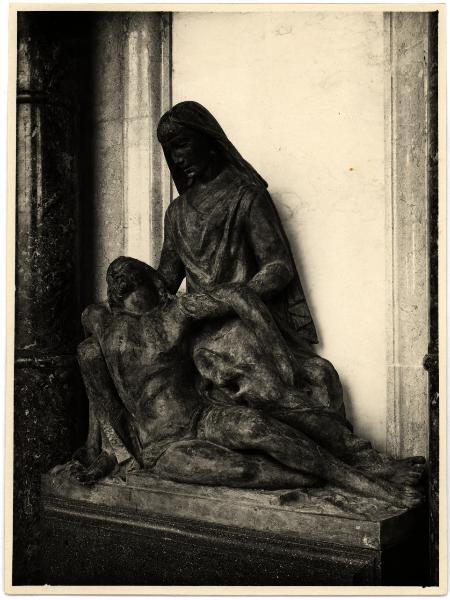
<point x="412" y="175"/>
<point x="46" y="379"/>
<point x="408" y="137"/>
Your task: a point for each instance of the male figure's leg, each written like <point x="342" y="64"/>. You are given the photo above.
<point x="329" y="430"/>
<point x="242" y="428"/>
<point x="205" y="463"/>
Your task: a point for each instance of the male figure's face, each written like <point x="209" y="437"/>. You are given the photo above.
<point x="132" y="286"/>
<point x="141" y="300"/>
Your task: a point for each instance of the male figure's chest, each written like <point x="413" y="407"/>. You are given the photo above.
<point x="136" y="346"/>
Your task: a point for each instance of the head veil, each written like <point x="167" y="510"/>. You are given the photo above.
<point x="194" y="116"/>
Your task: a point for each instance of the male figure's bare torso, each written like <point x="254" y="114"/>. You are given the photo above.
<point x="148" y="362"/>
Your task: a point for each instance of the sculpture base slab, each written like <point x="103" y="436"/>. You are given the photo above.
<point x="153" y="532"/>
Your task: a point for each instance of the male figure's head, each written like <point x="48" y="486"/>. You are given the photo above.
<point x="134" y="286"/>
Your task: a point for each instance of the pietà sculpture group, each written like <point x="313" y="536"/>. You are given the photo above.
<point x="220" y="385"/>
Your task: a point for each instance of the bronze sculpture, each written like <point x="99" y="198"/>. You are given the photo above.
<point x="183" y="385"/>
<point x="141" y="386"/>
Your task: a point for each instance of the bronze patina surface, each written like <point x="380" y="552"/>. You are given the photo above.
<point x="220" y="386"/>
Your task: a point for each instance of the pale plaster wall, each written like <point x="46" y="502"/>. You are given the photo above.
<point x="130" y="182"/>
<point x="302" y="97"/>
<point x="106" y="216"/>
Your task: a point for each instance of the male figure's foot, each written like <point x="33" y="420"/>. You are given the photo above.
<point x="406" y="471"/>
<point x="402" y="472"/>
<point x="86" y="455"/>
<point x="371" y="484"/>
<point x="102" y="466"/>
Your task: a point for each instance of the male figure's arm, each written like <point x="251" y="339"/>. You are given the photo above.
<point x="105" y="405"/>
<point x="182" y="312"/>
<point x="198" y="306"/>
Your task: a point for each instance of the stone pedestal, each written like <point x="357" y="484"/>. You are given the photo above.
<point x="152" y="532"/>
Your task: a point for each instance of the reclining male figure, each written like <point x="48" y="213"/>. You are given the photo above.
<point x="138" y="375"/>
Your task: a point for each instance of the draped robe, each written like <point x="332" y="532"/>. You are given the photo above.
<point x="230" y="232"/>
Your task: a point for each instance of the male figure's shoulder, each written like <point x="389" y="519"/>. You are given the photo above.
<point x="93" y="317"/>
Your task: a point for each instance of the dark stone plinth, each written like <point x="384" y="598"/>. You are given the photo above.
<point x="151" y="532"/>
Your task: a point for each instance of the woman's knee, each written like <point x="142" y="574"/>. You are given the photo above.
<point x="328" y="368"/>
<point x="252" y="426"/>
<point x="321" y="369"/>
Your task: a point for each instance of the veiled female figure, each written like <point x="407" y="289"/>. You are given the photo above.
<point x="224" y="228"/>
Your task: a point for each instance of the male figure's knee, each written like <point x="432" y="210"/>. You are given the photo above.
<point x="89" y="350"/>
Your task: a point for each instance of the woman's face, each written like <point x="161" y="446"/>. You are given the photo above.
<point x="191" y="153"/>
